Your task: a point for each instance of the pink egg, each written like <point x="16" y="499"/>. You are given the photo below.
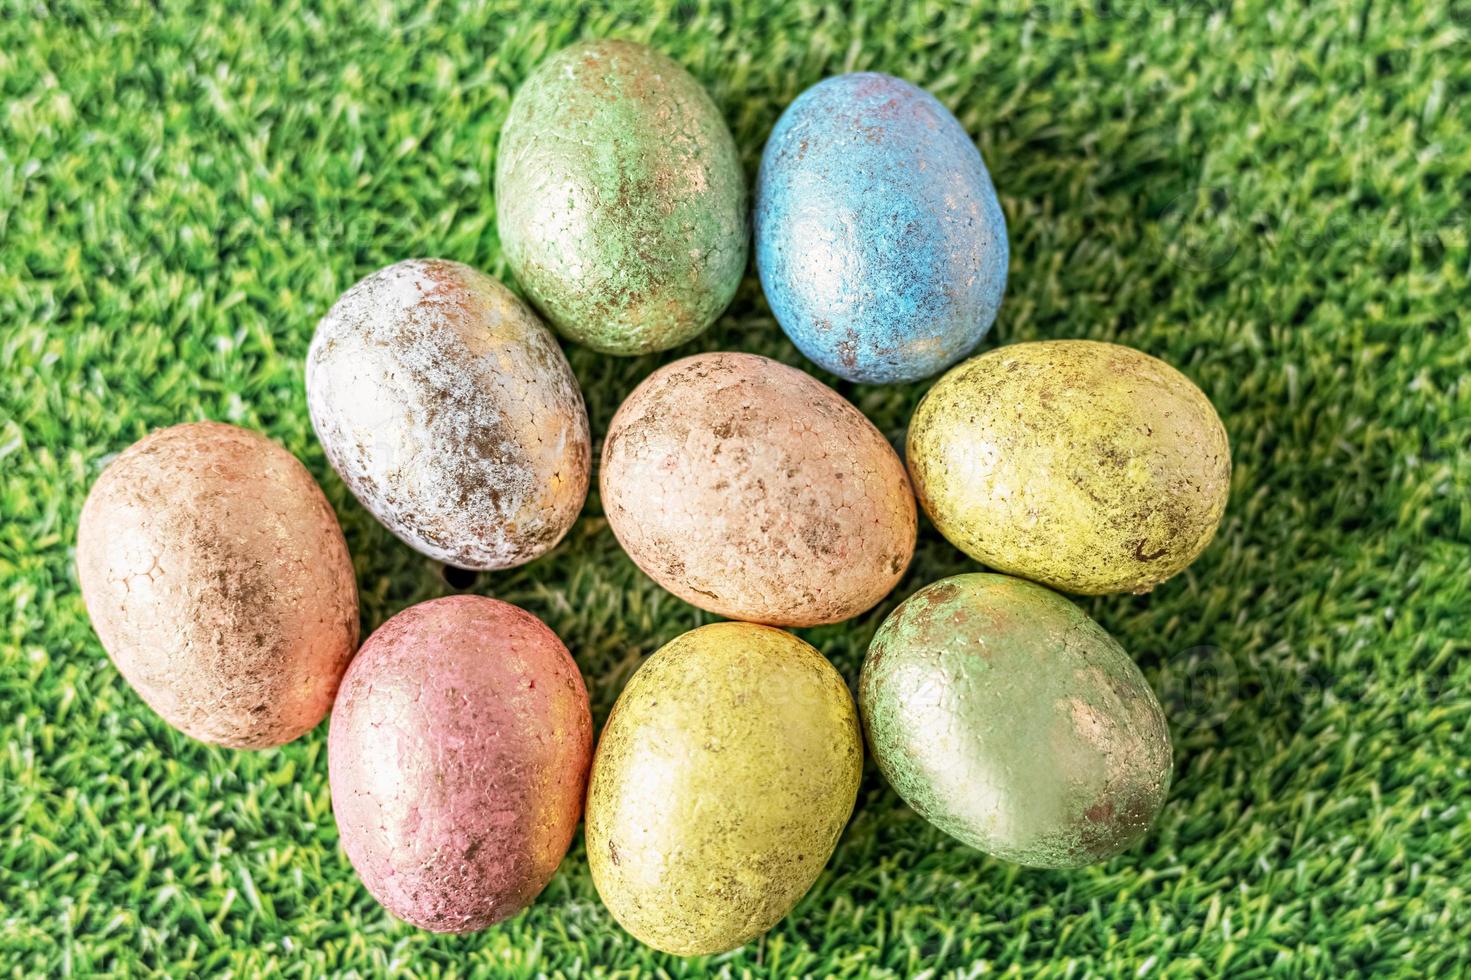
<point x="458" y="754"/>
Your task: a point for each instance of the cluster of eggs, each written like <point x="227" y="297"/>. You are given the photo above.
<point x="461" y="749"/>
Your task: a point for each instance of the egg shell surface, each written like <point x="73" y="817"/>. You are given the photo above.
<point x="880" y="241"/>
<point x="458" y="753"/>
<point x="752" y="490"/>
<point x="722" y="781"/>
<point x="1086" y="466"/>
<point x="219" y="583"/>
<point x="1007" y="718"/>
<point x="620" y="198"/>
<point x="450" y="412"/>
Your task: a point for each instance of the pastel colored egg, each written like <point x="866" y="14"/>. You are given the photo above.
<point x="620" y="198"/>
<point x="879" y="239"/>
<point x="458" y="754"/>
<point x="450" y="413"/>
<point x="1085" y="466"/>
<point x="722" y="781"/>
<point x="218" y="581"/>
<point x="753" y="490"/>
<point x="1007" y="718"/>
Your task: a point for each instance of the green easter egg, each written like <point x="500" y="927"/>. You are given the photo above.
<point x="1007" y="718"/>
<point x="620" y="197"/>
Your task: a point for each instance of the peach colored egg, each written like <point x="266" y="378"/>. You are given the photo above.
<point x="218" y="580"/>
<point x="753" y="490"/>
<point x="458" y="753"/>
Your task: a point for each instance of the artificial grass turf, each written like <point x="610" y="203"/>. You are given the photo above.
<point x="1272" y="197"/>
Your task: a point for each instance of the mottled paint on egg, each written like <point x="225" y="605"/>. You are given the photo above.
<point x="458" y="754"/>
<point x="1007" y="718"/>
<point x="879" y="238"/>
<point x="1086" y="466"/>
<point x="620" y="198"/>
<point x="753" y="490"/>
<point x="218" y="580"/>
<point x="451" y="414"/>
<point x="722" y="781"/>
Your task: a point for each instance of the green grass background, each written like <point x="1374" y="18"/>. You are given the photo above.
<point x="1271" y="196"/>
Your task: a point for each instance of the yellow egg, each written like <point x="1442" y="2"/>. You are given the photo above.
<point x="1086" y="466"/>
<point x="723" y="779"/>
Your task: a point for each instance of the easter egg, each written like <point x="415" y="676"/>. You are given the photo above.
<point x="218" y="581"/>
<point x="457" y="755"/>
<point x="450" y="413"/>
<point x="879" y="239"/>
<point x="1007" y="718"/>
<point x="753" y="490"/>
<point x="1085" y="466"/>
<point x="724" y="776"/>
<point x="620" y="198"/>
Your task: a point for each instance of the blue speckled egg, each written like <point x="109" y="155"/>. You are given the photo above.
<point x="879" y="239"/>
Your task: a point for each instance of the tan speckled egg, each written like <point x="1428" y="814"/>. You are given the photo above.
<point x="449" y="411"/>
<point x="218" y="581"/>
<point x="753" y="490"/>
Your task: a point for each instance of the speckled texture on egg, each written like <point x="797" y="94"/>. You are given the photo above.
<point x="879" y="238"/>
<point x="1006" y="717"/>
<point x="620" y="198"/>
<point x="458" y="753"/>
<point x="218" y="580"/>
<point x="753" y="490"/>
<point x="722" y="781"/>
<point x="450" y="412"/>
<point x="1086" y="466"/>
